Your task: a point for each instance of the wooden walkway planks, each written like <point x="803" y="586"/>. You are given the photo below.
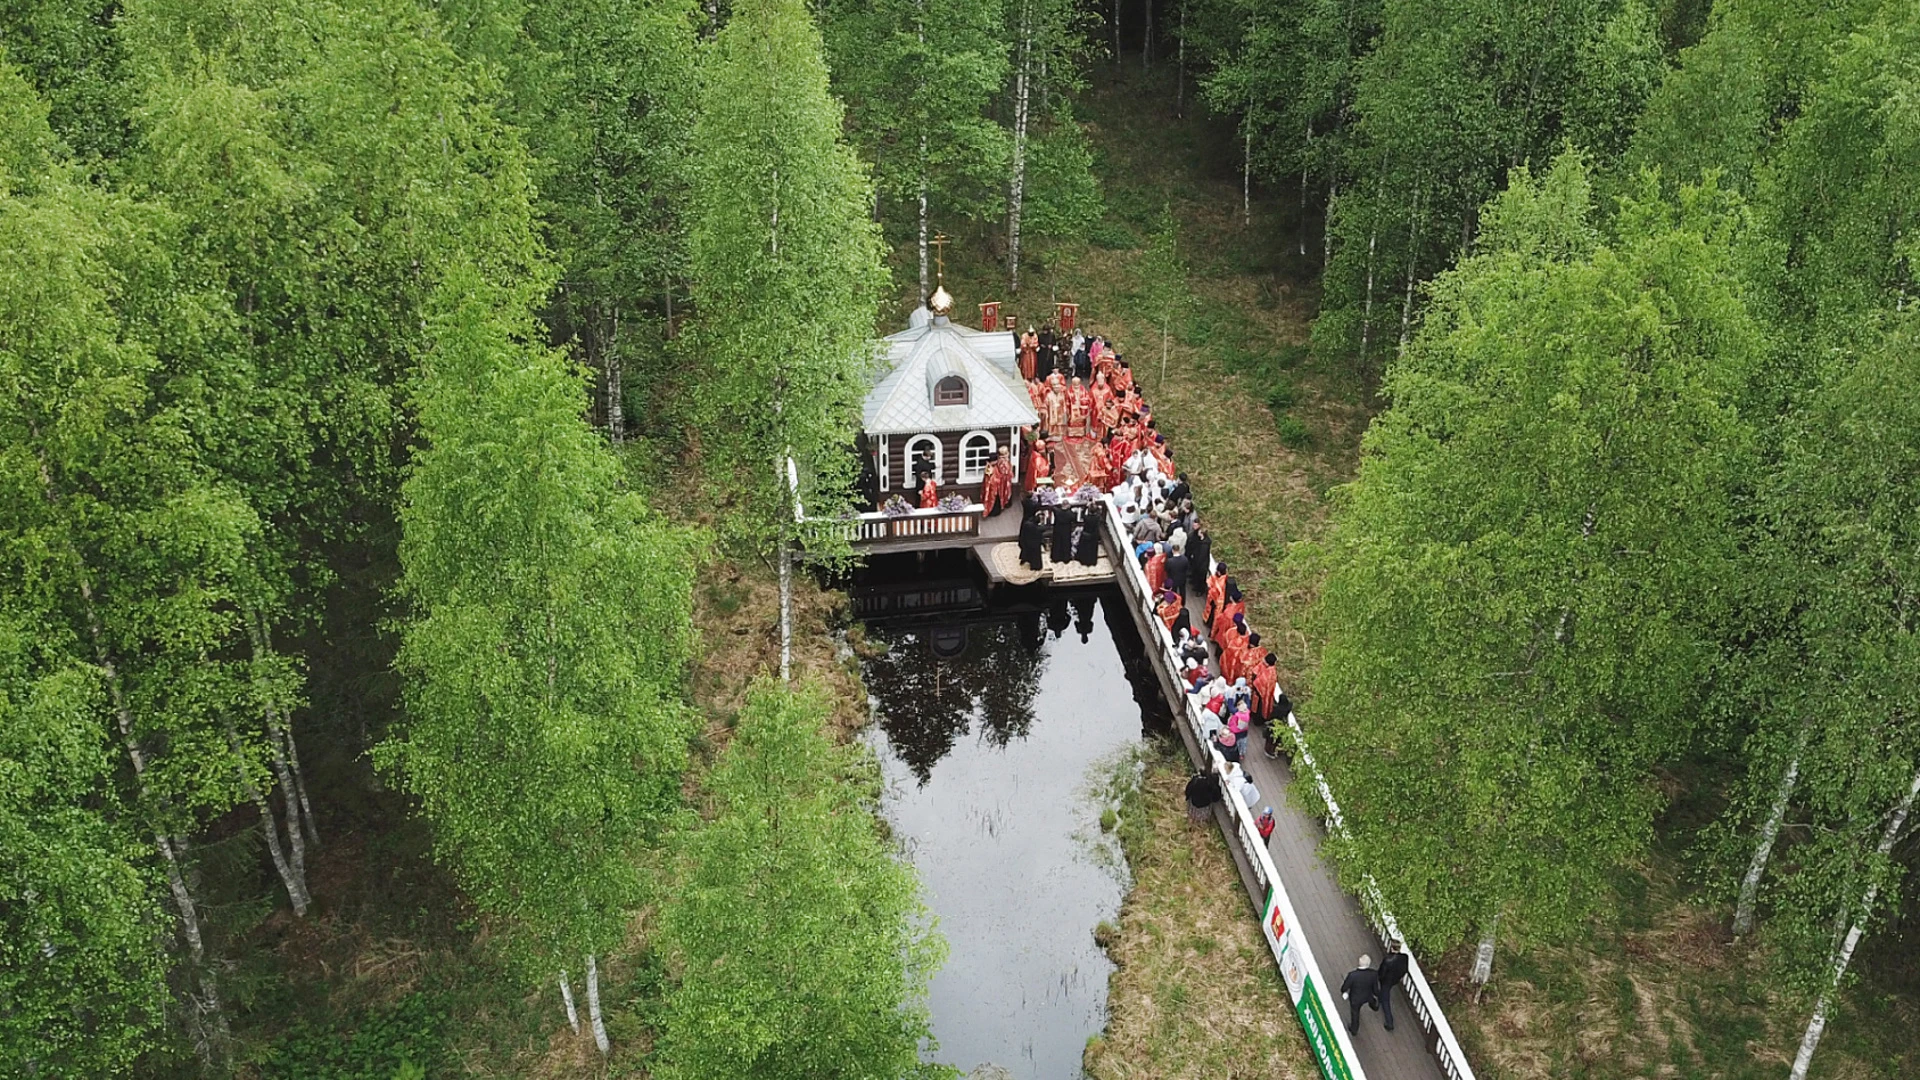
<point x="1336" y="927"/>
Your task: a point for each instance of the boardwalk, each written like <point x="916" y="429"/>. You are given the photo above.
<point x="1335" y="927"/>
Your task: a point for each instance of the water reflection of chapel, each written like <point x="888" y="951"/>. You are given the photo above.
<point x="951" y="393"/>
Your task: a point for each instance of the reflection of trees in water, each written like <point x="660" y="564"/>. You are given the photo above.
<point x="928" y="699"/>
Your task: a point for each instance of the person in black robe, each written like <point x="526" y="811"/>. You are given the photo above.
<point x="1049" y="351"/>
<point x="1066" y="518"/>
<point x="1032" y="535"/>
<point x="1087" y="550"/>
<point x="1199" y="552"/>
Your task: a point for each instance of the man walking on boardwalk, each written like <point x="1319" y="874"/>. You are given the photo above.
<point x="1392" y="970"/>
<point x="1360" y="989"/>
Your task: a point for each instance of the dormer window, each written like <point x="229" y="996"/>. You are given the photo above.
<point x="951" y="390"/>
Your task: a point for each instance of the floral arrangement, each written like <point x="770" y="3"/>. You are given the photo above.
<point x="895" y="506"/>
<point x="953" y="503"/>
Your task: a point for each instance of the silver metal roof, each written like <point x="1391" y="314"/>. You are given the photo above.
<point x="931" y="349"/>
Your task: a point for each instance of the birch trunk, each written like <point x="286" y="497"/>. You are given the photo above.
<point x="1817" y="1026"/>
<point x="1326" y="227"/>
<point x="292" y="876"/>
<point x="1483" y="956"/>
<point x="1413" y="253"/>
<point x="593" y="1005"/>
<point x="920" y="36"/>
<point x="1116" y="31"/>
<point x="1017" y="194"/>
<point x="286" y="759"/>
<point x="1366" y="308"/>
<point x="616" y="401"/>
<point x="786" y="613"/>
<point x="1246" y="176"/>
<point x="566" y="996"/>
<point x="1743" y="909"/>
<point x="211" y="1034"/>
<point x="926" y="288"/>
<point x="1146" y="35"/>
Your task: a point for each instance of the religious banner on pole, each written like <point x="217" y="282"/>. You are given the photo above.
<point x="990" y="316"/>
<point x="1066" y="315"/>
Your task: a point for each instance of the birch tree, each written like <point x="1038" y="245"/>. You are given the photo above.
<point x="919" y="77"/>
<point x="121" y="544"/>
<point x="1525" y="581"/>
<point x="1051" y="189"/>
<point x="604" y="91"/>
<point x="81" y="970"/>
<point x="787" y="274"/>
<point x="1844" y="505"/>
<point x="1449" y="99"/>
<point x="549" y="630"/>
<point x="796" y="936"/>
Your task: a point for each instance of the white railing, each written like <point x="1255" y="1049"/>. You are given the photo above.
<point x="916" y="525"/>
<point x="1313" y="999"/>
<point x="1433" y="1021"/>
<point x="1445" y="1047"/>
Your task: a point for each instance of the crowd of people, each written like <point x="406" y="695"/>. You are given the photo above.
<point x="1098" y="436"/>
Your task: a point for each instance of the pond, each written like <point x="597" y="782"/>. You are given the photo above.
<point x="997" y="721"/>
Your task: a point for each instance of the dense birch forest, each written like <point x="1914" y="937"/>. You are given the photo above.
<point x="383" y="375"/>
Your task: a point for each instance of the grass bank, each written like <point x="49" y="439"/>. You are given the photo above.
<point x="1194" y="993"/>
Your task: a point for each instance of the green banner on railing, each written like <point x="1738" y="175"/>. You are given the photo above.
<point x="1326" y="1049"/>
<point x="1306" y="996"/>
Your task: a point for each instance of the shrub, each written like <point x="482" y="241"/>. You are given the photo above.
<point x="1293" y="433"/>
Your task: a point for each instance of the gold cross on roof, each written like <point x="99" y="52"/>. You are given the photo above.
<point x="939" y="243"/>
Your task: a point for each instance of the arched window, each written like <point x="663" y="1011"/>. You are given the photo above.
<point x="951" y="390"/>
<point x="976" y="451"/>
<point x="918" y="447"/>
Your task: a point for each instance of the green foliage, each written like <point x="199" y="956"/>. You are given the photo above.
<point x="798" y="937"/>
<point x="918" y="77"/>
<point x="77" y="65"/>
<point x="1292" y="431"/>
<point x="1524" y="582"/>
<point x="551" y="628"/>
<point x="787" y="273"/>
<point x="80" y="968"/>
<point x="1845" y="517"/>
<point x="1063" y="197"/>
<point x="1841" y="195"/>
<point x="403" y="1041"/>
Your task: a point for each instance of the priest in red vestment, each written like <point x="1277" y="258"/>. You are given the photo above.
<point x="1029" y="350"/>
<point x="1157" y="569"/>
<point x="930" y="494"/>
<point x="996" y="492"/>
<point x="1216" y="591"/>
<point x="1055" y="416"/>
<point x="1266" y="679"/>
<point x="1037" y="392"/>
<point x="1106" y="412"/>
<point x="1039" y="465"/>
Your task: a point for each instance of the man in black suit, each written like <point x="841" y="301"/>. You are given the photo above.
<point x="1392" y="971"/>
<point x="1360" y="988"/>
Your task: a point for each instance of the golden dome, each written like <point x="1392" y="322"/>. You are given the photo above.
<point x="941" y="302"/>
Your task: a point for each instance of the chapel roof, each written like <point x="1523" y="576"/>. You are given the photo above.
<point x="933" y="347"/>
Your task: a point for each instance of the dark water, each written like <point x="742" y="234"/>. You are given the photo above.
<point x="995" y="725"/>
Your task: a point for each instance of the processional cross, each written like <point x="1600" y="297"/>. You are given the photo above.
<point x="939" y="243"/>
